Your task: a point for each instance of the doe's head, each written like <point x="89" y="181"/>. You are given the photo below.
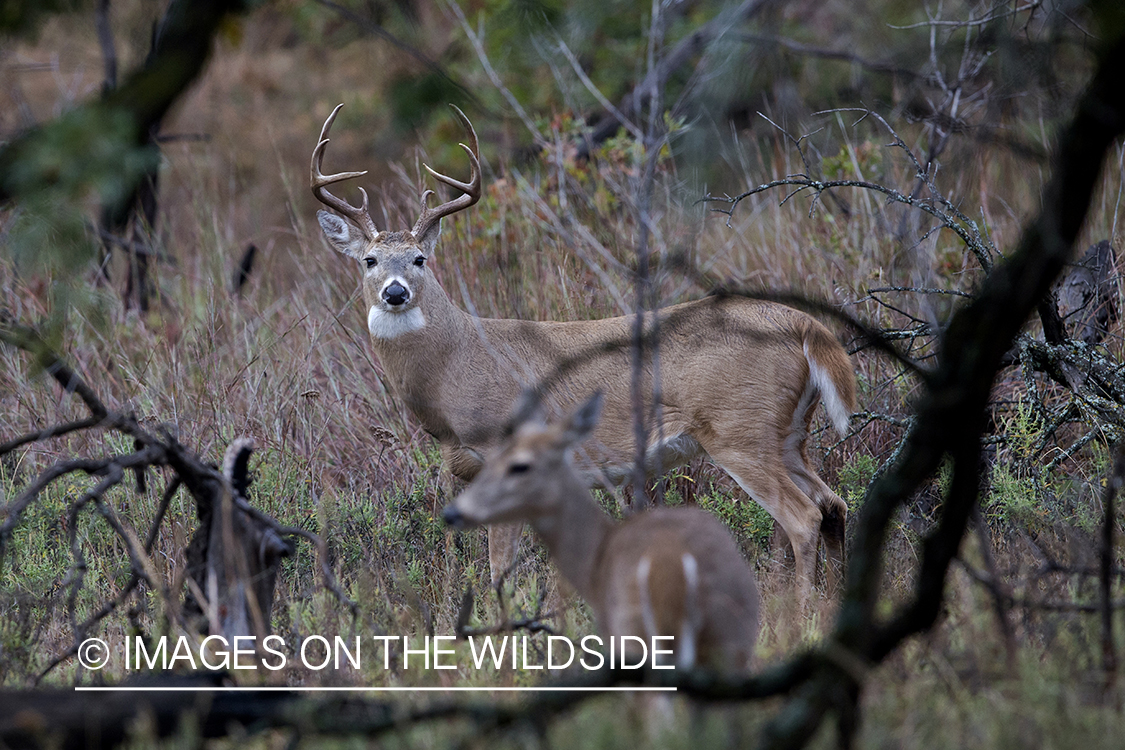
<point x="522" y="478"/>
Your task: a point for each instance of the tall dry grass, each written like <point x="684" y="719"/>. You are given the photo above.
<point x="288" y="363"/>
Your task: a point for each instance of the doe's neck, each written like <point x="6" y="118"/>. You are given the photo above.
<point x="575" y="533"/>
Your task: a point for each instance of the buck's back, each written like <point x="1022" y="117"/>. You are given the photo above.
<point x="716" y="355"/>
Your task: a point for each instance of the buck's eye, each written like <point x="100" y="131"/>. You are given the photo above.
<point x="519" y="468"/>
<point x="370" y="262"/>
<point x="420" y="261"/>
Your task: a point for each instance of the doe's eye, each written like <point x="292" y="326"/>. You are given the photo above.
<point x="420" y="261"/>
<point x="370" y="262"/>
<point x="519" y="468"/>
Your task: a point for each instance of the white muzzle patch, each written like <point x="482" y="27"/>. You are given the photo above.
<point x="385" y="324"/>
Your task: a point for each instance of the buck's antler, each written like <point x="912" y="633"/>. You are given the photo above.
<point x="470" y="189"/>
<point x="358" y="215"/>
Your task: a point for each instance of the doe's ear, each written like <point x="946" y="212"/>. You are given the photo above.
<point x="342" y="235"/>
<point x="528" y="408"/>
<point x="583" y="420"/>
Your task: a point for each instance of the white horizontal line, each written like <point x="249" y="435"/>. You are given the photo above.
<point x="273" y="689"/>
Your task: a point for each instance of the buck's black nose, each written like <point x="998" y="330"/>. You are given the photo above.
<point x="396" y="294"/>
<point x="453" y="517"/>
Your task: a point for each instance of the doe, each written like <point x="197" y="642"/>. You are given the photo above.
<point x="665" y="572"/>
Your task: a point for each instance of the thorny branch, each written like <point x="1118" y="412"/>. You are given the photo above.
<point x="1094" y="378"/>
<point x="937" y="205"/>
<point x="533" y="623"/>
<point x="950" y="417"/>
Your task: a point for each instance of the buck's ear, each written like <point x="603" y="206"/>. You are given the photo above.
<point x="342" y="235"/>
<point x="583" y="420"/>
<point x="428" y="241"/>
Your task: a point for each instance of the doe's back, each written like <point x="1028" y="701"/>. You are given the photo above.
<point x="678" y="572"/>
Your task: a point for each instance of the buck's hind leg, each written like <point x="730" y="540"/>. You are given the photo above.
<point x="833" y="521"/>
<point x="833" y="510"/>
<point x="769" y="484"/>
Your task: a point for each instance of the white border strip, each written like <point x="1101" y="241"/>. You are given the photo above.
<point x="273" y="689"/>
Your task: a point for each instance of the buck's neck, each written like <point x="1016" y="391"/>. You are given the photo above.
<point x="575" y="534"/>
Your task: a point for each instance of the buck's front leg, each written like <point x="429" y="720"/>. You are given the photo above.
<point x="503" y="545"/>
<point x="503" y="539"/>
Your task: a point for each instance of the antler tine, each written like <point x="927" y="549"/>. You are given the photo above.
<point x="471" y="190"/>
<point x="359" y="215"/>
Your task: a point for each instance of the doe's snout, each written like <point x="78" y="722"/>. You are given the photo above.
<point x="453" y="517"/>
<point x="396" y="294"/>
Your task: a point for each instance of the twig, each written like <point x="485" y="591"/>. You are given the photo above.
<point x="532" y="624"/>
<point x="1012" y="600"/>
<point x="800" y="48"/>
<point x="634" y="131"/>
<point x="998" y="600"/>
<point x="114" y="475"/>
<point x="165" y="500"/>
<point x="803" y="182"/>
<point x="482" y="56"/>
<point x="323" y="557"/>
<point x="660" y="70"/>
<point x="49" y="432"/>
<point x="1112" y="487"/>
<point x="203" y="481"/>
<point x="983" y="21"/>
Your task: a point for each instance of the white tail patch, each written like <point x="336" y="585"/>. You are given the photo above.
<point x="235" y="451"/>
<point x="837" y="411"/>
<point x="689" y="630"/>
<point x="385" y="324"/>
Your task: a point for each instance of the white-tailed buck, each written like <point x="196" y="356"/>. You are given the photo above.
<point x="665" y="572"/>
<point x="739" y="378"/>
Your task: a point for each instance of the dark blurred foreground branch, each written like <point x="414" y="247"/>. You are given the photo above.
<point x="949" y="423"/>
<point x="235" y="552"/>
<point x="108" y="146"/>
<point x="1105" y="567"/>
<point x="950" y="417"/>
<point x="1083" y="301"/>
<point x="99" y="720"/>
<point x="142" y="99"/>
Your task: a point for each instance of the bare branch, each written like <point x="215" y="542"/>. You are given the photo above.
<point x="1004" y="12"/>
<point x="49" y="432"/>
<point x="478" y="48"/>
